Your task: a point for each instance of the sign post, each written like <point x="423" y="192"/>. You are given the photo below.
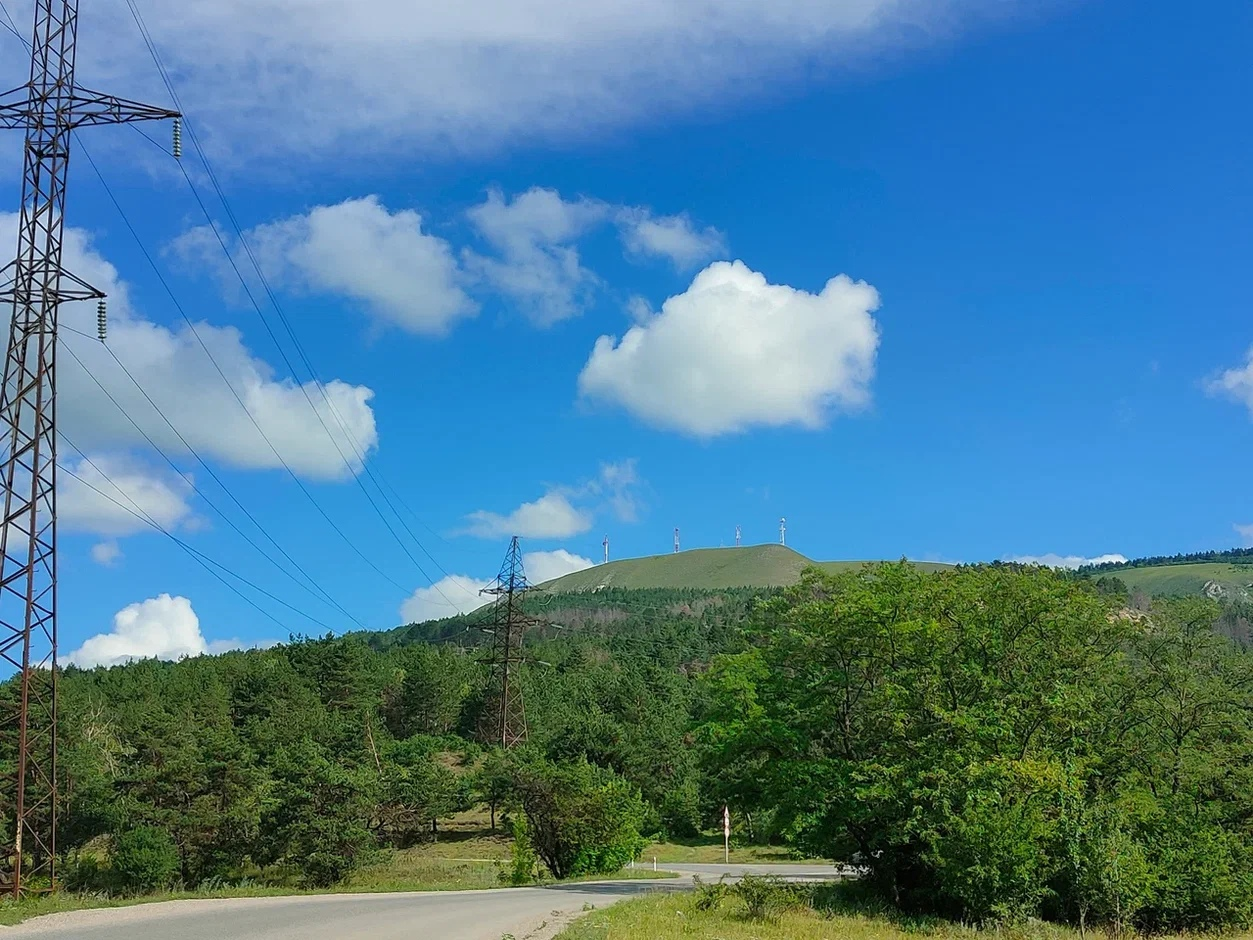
<point x="726" y="835"/>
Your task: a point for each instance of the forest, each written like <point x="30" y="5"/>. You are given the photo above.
<point x="1233" y="556"/>
<point x="990" y="743"/>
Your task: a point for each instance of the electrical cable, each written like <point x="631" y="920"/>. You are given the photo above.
<point x="10" y="25"/>
<point x="200" y="557"/>
<point x="317" y="588"/>
<point x="147" y="255"/>
<point x="238" y="230"/>
<point x="204" y="346"/>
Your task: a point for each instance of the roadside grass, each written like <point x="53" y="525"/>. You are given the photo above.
<point x="706" y="849"/>
<point x="673" y="916"/>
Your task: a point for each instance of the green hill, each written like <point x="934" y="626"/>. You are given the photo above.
<point x="1216" y="579"/>
<point x="760" y="566"/>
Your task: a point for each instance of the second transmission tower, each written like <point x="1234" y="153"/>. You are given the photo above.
<point x="506" y="719"/>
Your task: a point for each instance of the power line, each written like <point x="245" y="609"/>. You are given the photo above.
<point x="238" y="230"/>
<point x="348" y="435"/>
<point x="200" y="557"/>
<point x="317" y="589"/>
<point x="12" y="26"/>
<point x="234" y="393"/>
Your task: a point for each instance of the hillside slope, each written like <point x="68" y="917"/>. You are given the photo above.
<point x="760" y="566"/>
<point x="1216" y="579"/>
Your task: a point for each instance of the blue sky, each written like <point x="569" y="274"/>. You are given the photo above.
<point x="949" y="280"/>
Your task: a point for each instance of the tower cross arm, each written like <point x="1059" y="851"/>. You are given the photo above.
<point x="89" y="107"/>
<point x="15" y="108"/>
<point x="85" y="107"/>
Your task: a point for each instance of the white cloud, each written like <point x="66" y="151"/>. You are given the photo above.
<point x="461" y="594"/>
<point x="447" y="597"/>
<point x="310" y="430"/>
<point x="102" y="496"/>
<point x="544" y="566"/>
<point x="1245" y="532"/>
<point x="669" y="236"/>
<point x="161" y="627"/>
<point x="370" y="75"/>
<point x="357" y="249"/>
<point x="735" y="352"/>
<point x="550" y="517"/>
<point x="106" y="553"/>
<point x="1235" y="384"/>
<point x="617" y="486"/>
<point x="564" y="511"/>
<point x="1052" y="560"/>
<point x="537" y="265"/>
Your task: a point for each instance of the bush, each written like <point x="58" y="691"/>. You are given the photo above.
<point x="84" y="873"/>
<point x="523" y="858"/>
<point x="145" y="859"/>
<point x="993" y="861"/>
<point x="768" y="896"/>
<point x="1202" y="881"/>
<point x="580" y="818"/>
<point x="710" y="896"/>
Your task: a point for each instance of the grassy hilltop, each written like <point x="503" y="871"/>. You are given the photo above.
<point x="760" y="566"/>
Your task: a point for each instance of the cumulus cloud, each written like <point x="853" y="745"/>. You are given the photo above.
<point x="1235" y="384"/>
<point x="106" y="553"/>
<point x="565" y="511"/>
<point x="1245" y="532"/>
<point x="112" y="495"/>
<point x="550" y="517"/>
<point x="461" y="594"/>
<point x="1052" y="560"/>
<point x="447" y="597"/>
<point x="537" y="264"/>
<point x="161" y="627"/>
<point x="673" y="237"/>
<point x="317" y="431"/>
<point x="735" y="352"/>
<point x="544" y="566"/>
<point x="370" y="75"/>
<point x="357" y="249"/>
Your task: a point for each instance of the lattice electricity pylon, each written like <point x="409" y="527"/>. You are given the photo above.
<point x="506" y="716"/>
<point x="49" y="108"/>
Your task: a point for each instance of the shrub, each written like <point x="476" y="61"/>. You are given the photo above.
<point x="523" y="858"/>
<point x="1202" y="881"/>
<point x="145" y="858"/>
<point x="710" y="896"/>
<point x="765" y="897"/>
<point x="580" y="818"/>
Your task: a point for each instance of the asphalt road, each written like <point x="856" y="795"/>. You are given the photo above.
<point x="431" y="915"/>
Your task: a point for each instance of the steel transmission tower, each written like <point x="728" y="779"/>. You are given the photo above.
<point x="48" y="108"/>
<point x="506" y="724"/>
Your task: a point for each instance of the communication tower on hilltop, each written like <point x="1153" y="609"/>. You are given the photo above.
<point x="606" y="546"/>
<point x="737" y="536"/>
<point x="676" y="540"/>
<point x="48" y="108"/>
<point x="783" y="531"/>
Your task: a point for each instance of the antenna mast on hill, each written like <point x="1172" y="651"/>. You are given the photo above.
<point x="783" y="531"/>
<point x="506" y="718"/>
<point x="49" y="107"/>
<point x="737" y="536"/>
<point x="676" y="540"/>
<point x="606" y="544"/>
